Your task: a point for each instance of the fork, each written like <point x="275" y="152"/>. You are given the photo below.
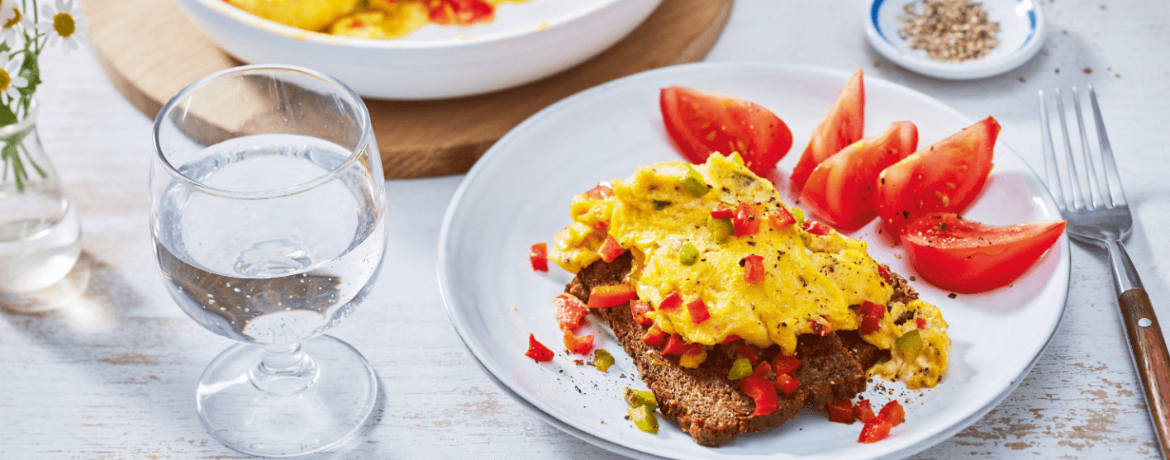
<point x="1098" y="214"/>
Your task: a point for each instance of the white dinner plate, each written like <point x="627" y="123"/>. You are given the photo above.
<point x="519" y="193"/>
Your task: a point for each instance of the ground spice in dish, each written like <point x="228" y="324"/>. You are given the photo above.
<point x="949" y="30"/>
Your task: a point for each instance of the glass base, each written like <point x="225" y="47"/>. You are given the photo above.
<point x="326" y="406"/>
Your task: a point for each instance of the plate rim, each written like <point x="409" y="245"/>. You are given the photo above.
<point x="446" y="289"/>
<point x="970" y="70"/>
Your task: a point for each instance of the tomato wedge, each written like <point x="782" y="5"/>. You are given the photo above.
<point x="945" y="177"/>
<point x="966" y="256"/>
<point x="841" y="189"/>
<point x="701" y="123"/>
<point x="843" y="125"/>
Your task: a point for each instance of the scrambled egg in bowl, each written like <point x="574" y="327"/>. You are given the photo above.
<point x="765" y="279"/>
<point x="371" y="19"/>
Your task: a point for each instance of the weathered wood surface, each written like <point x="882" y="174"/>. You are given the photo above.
<point x="112" y="375"/>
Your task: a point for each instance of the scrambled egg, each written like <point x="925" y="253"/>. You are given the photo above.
<point x="371" y="19"/>
<point x="810" y="280"/>
<point x="918" y="356"/>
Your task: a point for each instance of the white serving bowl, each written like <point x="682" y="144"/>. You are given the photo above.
<point x="527" y="41"/>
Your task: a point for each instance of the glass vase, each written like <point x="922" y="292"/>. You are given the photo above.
<point x="40" y="236"/>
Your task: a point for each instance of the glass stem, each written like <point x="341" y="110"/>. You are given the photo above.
<point x="284" y="370"/>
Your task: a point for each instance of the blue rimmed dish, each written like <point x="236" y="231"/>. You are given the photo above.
<point x="1021" y="35"/>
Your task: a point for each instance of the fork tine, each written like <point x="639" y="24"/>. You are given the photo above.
<point x="1096" y="194"/>
<point x="1078" y="200"/>
<point x="1107" y="161"/>
<point x="1051" y="170"/>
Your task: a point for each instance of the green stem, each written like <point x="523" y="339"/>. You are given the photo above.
<point x="34" y="164"/>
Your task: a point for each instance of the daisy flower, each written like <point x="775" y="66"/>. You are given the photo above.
<point x="64" y="23"/>
<point x="12" y="22"/>
<point x="10" y="78"/>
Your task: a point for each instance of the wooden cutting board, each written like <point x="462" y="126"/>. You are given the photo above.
<point x="151" y="51"/>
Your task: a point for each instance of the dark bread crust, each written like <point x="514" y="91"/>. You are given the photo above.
<point x="705" y="404"/>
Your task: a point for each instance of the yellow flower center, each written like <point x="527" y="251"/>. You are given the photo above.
<point x="64" y="25"/>
<point x="15" y="19"/>
<point x="5" y="80"/>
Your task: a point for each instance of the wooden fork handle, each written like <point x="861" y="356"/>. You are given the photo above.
<point x="1151" y="359"/>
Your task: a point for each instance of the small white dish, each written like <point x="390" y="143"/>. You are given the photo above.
<point x="526" y="41"/>
<point x="1021" y="35"/>
<point x="519" y="194"/>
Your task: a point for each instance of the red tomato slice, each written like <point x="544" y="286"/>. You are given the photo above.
<point x="841" y="189"/>
<point x="841" y="412"/>
<point x="701" y="123"/>
<point x="538" y="255"/>
<point x="893" y="412"/>
<point x="578" y="345"/>
<point x="537" y="350"/>
<point x="843" y="125"/>
<point x="569" y="311"/>
<point x="611" y="296"/>
<point x="966" y="256"/>
<point x="876" y="429"/>
<point x="945" y="177"/>
<point x="762" y="392"/>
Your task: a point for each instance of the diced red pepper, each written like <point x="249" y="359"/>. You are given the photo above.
<point x="762" y="392"/>
<point x="841" y="412"/>
<point x="816" y="228"/>
<point x="785" y="364"/>
<point x="747" y="220"/>
<point x="762" y="370"/>
<point x="753" y="269"/>
<point x="671" y="302"/>
<point x="611" y="296"/>
<point x="579" y="345"/>
<point x="876" y="429"/>
<point x="893" y="413"/>
<point x="821" y="328"/>
<point x="460" y="12"/>
<point x="920" y="322"/>
<point x="600" y="192"/>
<point x="871" y="317"/>
<point x="537" y="350"/>
<point x="751" y="353"/>
<point x="675" y="345"/>
<point x="729" y="339"/>
<point x="538" y="255"/>
<point x="698" y="311"/>
<point x="885" y="273"/>
<point x="722" y="211"/>
<point x="787" y="384"/>
<point x="570" y="312"/>
<point x="654" y="337"/>
<point x="610" y="249"/>
<point x="782" y="219"/>
<point x="640" y="309"/>
<point x="862" y="411"/>
<point x="601" y="226"/>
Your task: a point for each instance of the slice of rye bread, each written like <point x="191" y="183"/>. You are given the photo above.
<point x="708" y="406"/>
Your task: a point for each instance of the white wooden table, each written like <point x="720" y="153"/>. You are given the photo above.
<point x="112" y="373"/>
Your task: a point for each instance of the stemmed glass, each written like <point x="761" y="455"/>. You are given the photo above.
<point x="266" y="213"/>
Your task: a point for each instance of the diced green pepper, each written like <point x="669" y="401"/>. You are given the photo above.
<point x="736" y="158"/>
<point x="644" y="419"/>
<point x="910" y="344"/>
<point x="720" y="228"/>
<point x="799" y="215"/>
<point x="637" y="398"/>
<point x="689" y="254"/>
<point x="602" y="359"/>
<point x="693" y="182"/>
<point x="741" y="368"/>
